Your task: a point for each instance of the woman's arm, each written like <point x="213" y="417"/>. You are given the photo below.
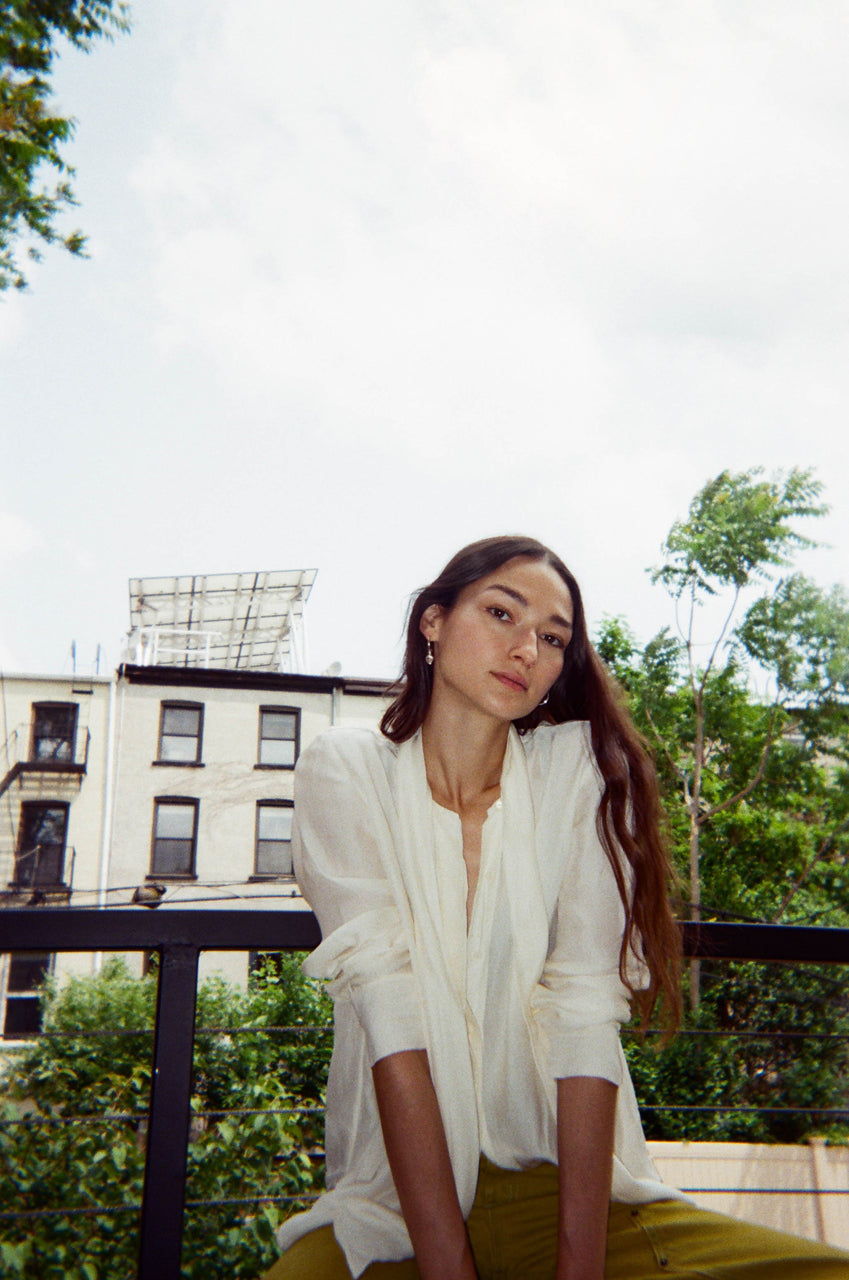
<point x="586" y="1106"/>
<point x="418" y="1157"/>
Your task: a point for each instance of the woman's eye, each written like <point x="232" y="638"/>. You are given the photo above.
<point x="497" y="612"/>
<point x="554" y="641"/>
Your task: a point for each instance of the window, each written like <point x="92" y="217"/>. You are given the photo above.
<point x="27" y="971"/>
<point x="274" y="838"/>
<point x="180" y="733"/>
<point x="175" y="825"/>
<point x="54" y="731"/>
<point x="279" y="728"/>
<point x="40" y="854"/>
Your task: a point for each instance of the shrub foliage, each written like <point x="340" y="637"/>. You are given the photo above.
<point x="74" y="1112"/>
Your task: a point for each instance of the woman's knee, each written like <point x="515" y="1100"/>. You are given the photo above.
<point x="683" y="1237"/>
<point x="317" y="1256"/>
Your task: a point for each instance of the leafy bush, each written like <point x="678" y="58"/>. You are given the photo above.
<point x="94" y="1062"/>
<point x="793" y="1054"/>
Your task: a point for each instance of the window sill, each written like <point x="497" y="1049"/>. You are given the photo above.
<point x="276" y="767"/>
<point x="40" y="886"/>
<point x="285" y="877"/>
<point x="178" y="764"/>
<point x="171" y="877"/>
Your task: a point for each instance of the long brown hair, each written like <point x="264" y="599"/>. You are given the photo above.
<point x="629" y="812"/>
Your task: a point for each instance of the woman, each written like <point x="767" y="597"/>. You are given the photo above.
<point x="490" y="881"/>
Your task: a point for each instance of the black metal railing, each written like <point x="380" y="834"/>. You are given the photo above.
<point x="26" y="760"/>
<point x="179" y="935"/>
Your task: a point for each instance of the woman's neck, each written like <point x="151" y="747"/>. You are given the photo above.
<point x="464" y="757"/>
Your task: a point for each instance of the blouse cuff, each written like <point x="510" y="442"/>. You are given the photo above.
<point x="579" y="1035"/>
<point x="388" y="1011"/>
<point x="367" y="962"/>
<point x="595" y="1052"/>
<point x="366" y="947"/>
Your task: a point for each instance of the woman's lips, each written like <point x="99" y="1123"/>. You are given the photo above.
<point x="512" y="681"/>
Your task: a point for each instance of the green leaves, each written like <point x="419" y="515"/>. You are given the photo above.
<point x="738" y="527"/>
<point x="791" y="1056"/>
<point x="801" y="633"/>
<point x="15" y="1257"/>
<point x="30" y="134"/>
<point x="271" y="1149"/>
<point x="742" y="770"/>
<point x="756" y="792"/>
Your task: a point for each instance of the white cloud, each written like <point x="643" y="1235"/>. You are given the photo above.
<point x="395" y="276"/>
<point x="365" y="182"/>
<point x="11" y="319"/>
<point x="17" y="538"/>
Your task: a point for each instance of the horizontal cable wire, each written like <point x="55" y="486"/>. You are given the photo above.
<point x="118" y="1116"/>
<point x="302" y="1030"/>
<point x="99" y="1210"/>
<point x="142" y="1116"/>
<point x="90" y="1211"/>
<point x="94" y="1211"/>
<point x="299" y="1030"/>
<point x="840" y="1112"/>
<point x="766" y="1191"/>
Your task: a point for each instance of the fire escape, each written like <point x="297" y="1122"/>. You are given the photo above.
<point x="45" y="764"/>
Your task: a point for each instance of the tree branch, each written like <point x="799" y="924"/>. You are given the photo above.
<point x="758" y="776"/>
<point x="719" y="639"/>
<point x="676" y="768"/>
<point x="824" y="848"/>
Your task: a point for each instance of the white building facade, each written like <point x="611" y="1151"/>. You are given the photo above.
<point x="54" y="786"/>
<point x="169" y="783"/>
<point x="203" y="791"/>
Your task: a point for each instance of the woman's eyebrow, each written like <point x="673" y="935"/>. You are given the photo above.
<point x="508" y="591"/>
<point x="520" y="599"/>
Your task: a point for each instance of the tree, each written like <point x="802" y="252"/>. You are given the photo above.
<point x="739" y="528"/>
<point x="756" y="791"/>
<point x="31" y="134"/>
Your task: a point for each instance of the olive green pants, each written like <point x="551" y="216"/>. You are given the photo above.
<point x="513" y="1232"/>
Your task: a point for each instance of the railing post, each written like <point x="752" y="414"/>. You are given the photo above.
<point x="161" y="1231"/>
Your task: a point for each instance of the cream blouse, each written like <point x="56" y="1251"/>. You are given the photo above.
<point x="530" y="994"/>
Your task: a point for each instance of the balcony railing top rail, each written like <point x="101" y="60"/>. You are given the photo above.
<point x="179" y="935"/>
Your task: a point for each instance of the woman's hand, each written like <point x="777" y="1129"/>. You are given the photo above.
<point x="586" y="1107"/>
<point x="418" y="1157"/>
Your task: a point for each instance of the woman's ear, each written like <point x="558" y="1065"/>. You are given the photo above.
<point x="431" y="621"/>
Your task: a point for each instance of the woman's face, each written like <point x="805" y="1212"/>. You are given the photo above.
<point x="501" y="647"/>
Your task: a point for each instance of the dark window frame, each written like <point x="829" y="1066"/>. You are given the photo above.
<point x="26" y="995"/>
<point x="261" y="738"/>
<point x="173" y="704"/>
<point x="39" y="709"/>
<point x="275" y="803"/>
<point x="35" y="879"/>
<point x="172" y="802"/>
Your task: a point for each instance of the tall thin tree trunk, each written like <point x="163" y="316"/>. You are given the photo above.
<point x="695" y="907"/>
<point x="695" y="827"/>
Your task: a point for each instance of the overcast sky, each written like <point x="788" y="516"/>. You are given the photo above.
<point x="371" y="280"/>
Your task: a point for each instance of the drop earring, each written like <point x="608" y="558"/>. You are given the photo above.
<point x="429" y="654"/>
<point x="544" y="701"/>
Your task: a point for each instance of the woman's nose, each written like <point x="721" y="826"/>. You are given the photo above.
<point x="527" y="646"/>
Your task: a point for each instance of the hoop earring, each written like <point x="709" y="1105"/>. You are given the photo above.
<point x="429" y="654"/>
<point x="544" y="701"/>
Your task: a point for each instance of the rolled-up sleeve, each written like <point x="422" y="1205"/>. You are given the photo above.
<point x="581" y="1000"/>
<point x="338" y="835"/>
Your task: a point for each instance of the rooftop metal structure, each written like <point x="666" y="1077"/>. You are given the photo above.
<point x="240" y="621"/>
